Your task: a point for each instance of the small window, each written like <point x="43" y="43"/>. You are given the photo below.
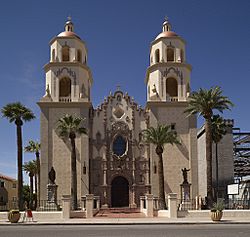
<point x="119" y="146"/>
<point x="155" y="168"/>
<point x="1" y="199"/>
<point x="170" y="54"/>
<point x="182" y="56"/>
<point x="84" y="169"/>
<point x="53" y="55"/>
<point x="157" y="55"/>
<point x="79" y="55"/>
<point x="188" y="88"/>
<point x="2" y="184"/>
<point x="119" y="98"/>
<point x="65" y="53"/>
<point x="14" y="185"/>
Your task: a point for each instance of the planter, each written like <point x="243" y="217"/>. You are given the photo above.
<point x="14" y="216"/>
<point x="216" y="215"/>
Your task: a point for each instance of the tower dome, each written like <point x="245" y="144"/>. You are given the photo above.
<point x="166" y="30"/>
<point x="69" y="30"/>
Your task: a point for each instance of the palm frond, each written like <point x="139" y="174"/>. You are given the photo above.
<point x="70" y="124"/>
<point x="218" y="128"/>
<point x="14" y="111"/>
<point x="32" y="147"/>
<point x="204" y="102"/>
<point x="160" y="135"/>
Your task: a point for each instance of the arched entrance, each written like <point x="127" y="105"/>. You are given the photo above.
<point x="119" y="192"/>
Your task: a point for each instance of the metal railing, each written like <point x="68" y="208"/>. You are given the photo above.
<point x="6" y="206"/>
<point x="190" y="204"/>
<point x="237" y="204"/>
<point x="45" y="205"/>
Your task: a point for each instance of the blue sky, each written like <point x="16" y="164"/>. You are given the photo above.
<point x="118" y="35"/>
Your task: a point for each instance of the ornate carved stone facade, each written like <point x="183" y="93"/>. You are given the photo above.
<point x="113" y="162"/>
<point x="118" y="150"/>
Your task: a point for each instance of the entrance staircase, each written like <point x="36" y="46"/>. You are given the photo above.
<point x="123" y="212"/>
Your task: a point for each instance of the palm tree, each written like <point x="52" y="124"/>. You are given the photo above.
<point x="204" y="102"/>
<point x="68" y="127"/>
<point x="218" y="131"/>
<point x="18" y="113"/>
<point x="30" y="169"/>
<point x="35" y="147"/>
<point x="160" y="136"/>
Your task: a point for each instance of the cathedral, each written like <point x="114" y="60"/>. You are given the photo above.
<point x="113" y="162"/>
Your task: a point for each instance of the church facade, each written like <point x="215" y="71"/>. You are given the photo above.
<point x="113" y="162"/>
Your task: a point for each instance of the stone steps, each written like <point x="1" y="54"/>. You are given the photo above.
<point x="120" y="213"/>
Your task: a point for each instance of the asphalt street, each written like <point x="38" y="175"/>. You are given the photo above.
<point x="201" y="230"/>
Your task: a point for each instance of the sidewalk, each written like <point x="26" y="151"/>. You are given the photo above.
<point x="130" y="221"/>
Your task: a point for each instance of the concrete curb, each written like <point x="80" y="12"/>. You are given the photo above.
<point x="231" y="222"/>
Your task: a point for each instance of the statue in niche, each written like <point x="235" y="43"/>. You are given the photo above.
<point x="52" y="175"/>
<point x="184" y="174"/>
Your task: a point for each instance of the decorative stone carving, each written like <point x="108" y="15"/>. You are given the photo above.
<point x="127" y="119"/>
<point x="119" y="126"/>
<point x="177" y="72"/>
<point x="118" y="112"/>
<point x="68" y="70"/>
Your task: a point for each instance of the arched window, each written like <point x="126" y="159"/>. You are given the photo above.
<point x="170" y="54"/>
<point x="53" y="55"/>
<point x="157" y="55"/>
<point x="171" y="87"/>
<point x="119" y="145"/>
<point x="65" y="87"/>
<point x="182" y="56"/>
<point x="188" y="89"/>
<point x="79" y="55"/>
<point x="65" y="53"/>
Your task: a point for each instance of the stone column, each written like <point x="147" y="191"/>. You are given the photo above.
<point x="83" y="202"/>
<point x="89" y="205"/>
<point x="104" y="161"/>
<point x="97" y="198"/>
<point x="147" y="149"/>
<point x="133" y="204"/>
<point x="142" y="200"/>
<point x="149" y="205"/>
<point x="66" y="206"/>
<point x="172" y="205"/>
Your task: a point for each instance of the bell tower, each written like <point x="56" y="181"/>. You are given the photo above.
<point x="168" y="76"/>
<point x="168" y="88"/>
<point x="68" y="78"/>
<point x="67" y="91"/>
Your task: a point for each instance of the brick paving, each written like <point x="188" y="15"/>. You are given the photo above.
<point x="120" y="213"/>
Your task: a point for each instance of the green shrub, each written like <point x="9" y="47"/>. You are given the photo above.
<point x="217" y="206"/>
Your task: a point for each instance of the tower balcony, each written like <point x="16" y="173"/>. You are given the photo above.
<point x="172" y="98"/>
<point x="66" y="99"/>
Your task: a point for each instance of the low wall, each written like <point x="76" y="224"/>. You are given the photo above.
<point x="38" y="216"/>
<point x="163" y="213"/>
<point x="206" y="213"/>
